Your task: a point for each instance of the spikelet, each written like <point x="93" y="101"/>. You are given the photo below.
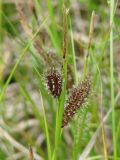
<point x="53" y="82"/>
<point x="76" y="100"/>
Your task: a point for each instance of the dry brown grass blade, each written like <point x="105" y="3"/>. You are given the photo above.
<point x="31" y="157"/>
<point x="4" y="134"/>
<point x="102" y="126"/>
<point x="104" y="142"/>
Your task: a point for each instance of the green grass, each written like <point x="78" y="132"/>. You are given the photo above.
<point x="0" y="21"/>
<point x="26" y="71"/>
<point x="46" y="129"/>
<point x="112" y="4"/>
<point x="16" y="64"/>
<point x="73" y="55"/>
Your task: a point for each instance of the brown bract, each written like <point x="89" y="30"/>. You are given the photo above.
<point x="76" y="100"/>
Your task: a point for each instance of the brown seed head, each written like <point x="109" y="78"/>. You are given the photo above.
<point x="53" y="82"/>
<point x="76" y="100"/>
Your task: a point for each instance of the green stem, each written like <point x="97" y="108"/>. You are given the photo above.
<point x="112" y="3"/>
<point x="60" y="109"/>
<point x="46" y="129"/>
<point x="56" y="131"/>
<point x="73" y="55"/>
<point x="0" y="21"/>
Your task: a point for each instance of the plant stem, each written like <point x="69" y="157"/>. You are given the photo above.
<point x="73" y="55"/>
<point x="112" y="76"/>
<point x="46" y="129"/>
<point x="0" y="21"/>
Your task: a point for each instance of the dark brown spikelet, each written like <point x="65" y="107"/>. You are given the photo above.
<point x="76" y="100"/>
<point x="53" y="82"/>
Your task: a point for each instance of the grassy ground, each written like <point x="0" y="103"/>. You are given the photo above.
<point x="79" y="38"/>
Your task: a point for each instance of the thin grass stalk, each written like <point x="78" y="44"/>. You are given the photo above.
<point x="89" y="44"/>
<point x="53" y="39"/>
<point x="46" y="129"/>
<point x="56" y="132"/>
<point x="61" y="109"/>
<point x="118" y="131"/>
<point x="112" y="4"/>
<point x="50" y="10"/>
<point x="101" y="105"/>
<point x="60" y="2"/>
<point x="76" y="146"/>
<point x="65" y="14"/>
<point x="104" y="142"/>
<point x="85" y="69"/>
<point x="38" y="7"/>
<point x="61" y="100"/>
<point x="59" y="113"/>
<point x="75" y="151"/>
<point x="73" y="54"/>
<point x="0" y="21"/>
<point x="1" y="79"/>
<point x="101" y="119"/>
